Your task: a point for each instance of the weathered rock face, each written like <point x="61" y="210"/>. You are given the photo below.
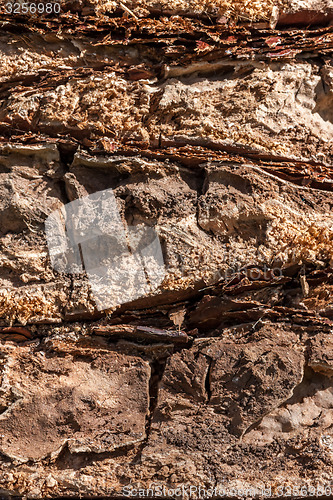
<point x="215" y="129"/>
<point x="64" y="397"/>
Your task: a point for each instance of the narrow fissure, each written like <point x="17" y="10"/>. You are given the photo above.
<point x="208" y="379"/>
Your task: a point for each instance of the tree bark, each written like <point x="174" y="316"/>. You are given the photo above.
<point x="212" y="123"/>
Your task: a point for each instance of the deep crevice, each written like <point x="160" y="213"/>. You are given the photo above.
<point x="208" y="379"/>
<point x="157" y="371"/>
<point x="67" y="152"/>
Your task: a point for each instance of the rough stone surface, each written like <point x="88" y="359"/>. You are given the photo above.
<point x="92" y="400"/>
<point x="212" y="123"/>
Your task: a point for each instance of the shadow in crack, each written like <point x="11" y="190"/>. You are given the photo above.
<point x="324" y="101"/>
<point x="312" y="383"/>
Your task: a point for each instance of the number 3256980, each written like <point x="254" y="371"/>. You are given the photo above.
<point x="33" y="8"/>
